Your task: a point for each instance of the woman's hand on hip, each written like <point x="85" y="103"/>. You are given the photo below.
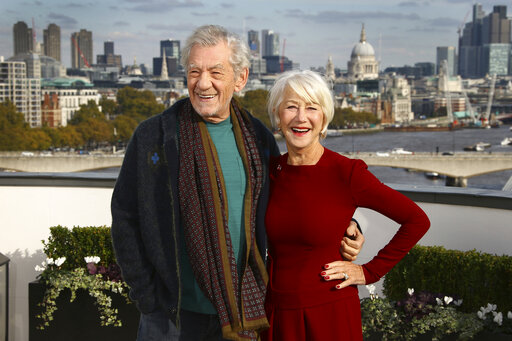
<point x="343" y="274"/>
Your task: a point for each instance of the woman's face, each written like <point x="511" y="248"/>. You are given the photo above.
<point x="301" y="122"/>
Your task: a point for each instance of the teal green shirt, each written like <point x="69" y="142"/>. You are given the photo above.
<point x="233" y="171"/>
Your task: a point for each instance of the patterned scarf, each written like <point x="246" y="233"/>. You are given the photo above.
<point x="238" y="298"/>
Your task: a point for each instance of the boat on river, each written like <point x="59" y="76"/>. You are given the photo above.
<point x="477" y="147"/>
<point x="507" y="141"/>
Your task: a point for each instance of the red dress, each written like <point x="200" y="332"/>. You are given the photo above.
<point x="308" y="212"/>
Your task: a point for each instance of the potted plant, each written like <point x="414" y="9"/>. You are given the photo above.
<point x="428" y="316"/>
<point x="80" y="294"/>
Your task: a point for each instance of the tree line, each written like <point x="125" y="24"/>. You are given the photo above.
<point x="91" y="127"/>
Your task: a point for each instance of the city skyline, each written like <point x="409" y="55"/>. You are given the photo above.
<point x="401" y="32"/>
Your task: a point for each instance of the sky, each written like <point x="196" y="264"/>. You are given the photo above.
<point x="401" y="32"/>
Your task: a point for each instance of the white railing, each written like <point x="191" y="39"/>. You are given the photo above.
<point x="462" y="219"/>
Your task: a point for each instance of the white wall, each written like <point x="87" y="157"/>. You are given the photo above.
<point x="25" y="218"/>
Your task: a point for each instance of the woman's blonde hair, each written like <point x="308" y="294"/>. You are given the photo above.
<point x="308" y="85"/>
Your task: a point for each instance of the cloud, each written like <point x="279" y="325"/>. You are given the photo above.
<point x="198" y="14"/>
<point x="329" y="17"/>
<point x="158" y="6"/>
<point x="171" y="28"/>
<point x="446" y="22"/>
<point x="62" y="20"/>
<point x="121" y="23"/>
<point x="226" y="5"/>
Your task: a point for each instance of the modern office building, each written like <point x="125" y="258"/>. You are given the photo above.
<point x="449" y="54"/>
<point x="81" y="49"/>
<point x="23" y="92"/>
<point x="170" y="50"/>
<point x="51" y="41"/>
<point x="254" y="42"/>
<point x="22" y="38"/>
<point x="269" y="43"/>
<point x="108" y="58"/>
<point x="484" y="42"/>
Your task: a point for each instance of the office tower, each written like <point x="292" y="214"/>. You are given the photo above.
<point x="484" y="46"/>
<point x="269" y="43"/>
<point x="171" y="47"/>
<point x="170" y="50"/>
<point x="496" y="42"/>
<point x="108" y="58"/>
<point x="51" y="41"/>
<point x="81" y="49"/>
<point x="24" y="92"/>
<point x="447" y="53"/>
<point x="22" y="38"/>
<point x="254" y="42"/>
<point x="108" y="48"/>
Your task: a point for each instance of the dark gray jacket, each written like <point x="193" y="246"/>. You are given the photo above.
<point x="145" y="211"/>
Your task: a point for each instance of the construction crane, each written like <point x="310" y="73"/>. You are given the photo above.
<point x="80" y="51"/>
<point x="461" y="26"/>
<point x="469" y="107"/>
<point x="446" y="89"/>
<point x="281" y="60"/>
<point x="487" y="117"/>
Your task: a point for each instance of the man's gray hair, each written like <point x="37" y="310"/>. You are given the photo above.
<point x="212" y="35"/>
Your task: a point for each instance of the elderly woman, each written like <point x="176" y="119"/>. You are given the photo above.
<point x="314" y="191"/>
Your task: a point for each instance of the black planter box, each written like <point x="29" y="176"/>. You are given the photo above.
<point x="80" y="320"/>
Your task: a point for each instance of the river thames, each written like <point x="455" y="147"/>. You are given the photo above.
<point x="430" y="142"/>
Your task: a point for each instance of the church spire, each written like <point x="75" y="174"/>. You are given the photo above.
<point x="164" y="74"/>
<point x="363" y="35"/>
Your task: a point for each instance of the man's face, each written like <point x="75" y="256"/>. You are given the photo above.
<point x="212" y="82"/>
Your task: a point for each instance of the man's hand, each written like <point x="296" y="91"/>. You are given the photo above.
<point x="352" y="243"/>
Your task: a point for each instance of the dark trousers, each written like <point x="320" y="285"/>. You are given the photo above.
<point x="193" y="327"/>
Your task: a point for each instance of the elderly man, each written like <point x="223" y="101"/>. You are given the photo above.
<point x="189" y="204"/>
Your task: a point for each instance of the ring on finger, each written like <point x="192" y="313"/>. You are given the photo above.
<point x="345" y="276"/>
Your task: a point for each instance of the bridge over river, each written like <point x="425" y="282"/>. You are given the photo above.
<point x="457" y="167"/>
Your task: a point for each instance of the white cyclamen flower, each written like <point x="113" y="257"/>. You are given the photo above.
<point x="410" y="291"/>
<point x="60" y="261"/>
<point x="498" y="318"/>
<point x="40" y="268"/>
<point x="92" y="259"/>
<point x="458" y="303"/>
<point x="509" y="315"/>
<point x="447" y="300"/>
<point x="371" y="289"/>
<point x="50" y="261"/>
<point x="481" y="314"/>
<point x="439" y="302"/>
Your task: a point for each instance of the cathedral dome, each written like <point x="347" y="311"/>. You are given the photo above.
<point x="363" y="49"/>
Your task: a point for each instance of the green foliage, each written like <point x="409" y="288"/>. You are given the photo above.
<point x="478" y="277"/>
<point x="99" y="280"/>
<point x="78" y="279"/>
<point x="138" y="105"/>
<point x="385" y="319"/>
<point x="255" y="101"/>
<point x="89" y="126"/>
<point x="77" y="243"/>
<point x="349" y="117"/>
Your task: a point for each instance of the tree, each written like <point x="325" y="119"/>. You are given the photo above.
<point x="92" y="125"/>
<point x="108" y="107"/>
<point x="255" y="101"/>
<point x="13" y="128"/>
<point x="138" y="105"/>
<point x="124" y="126"/>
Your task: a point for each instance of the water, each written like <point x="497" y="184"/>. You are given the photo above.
<point x="442" y="141"/>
